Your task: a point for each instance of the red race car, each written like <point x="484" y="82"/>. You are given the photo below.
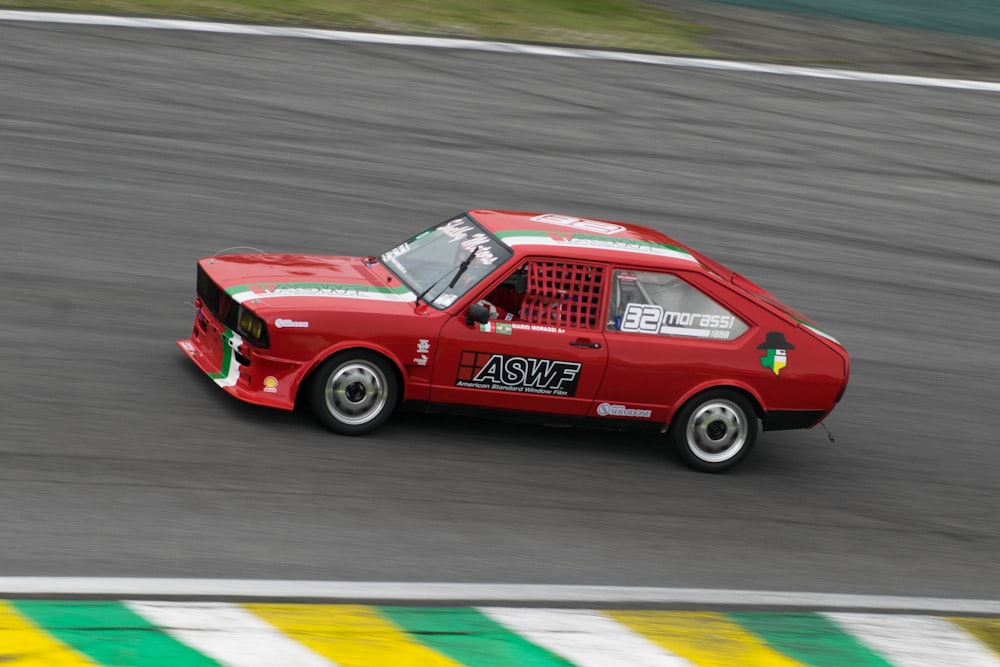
<point x="537" y="316"/>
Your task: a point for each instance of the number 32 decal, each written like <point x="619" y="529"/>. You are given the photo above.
<point x="650" y="318"/>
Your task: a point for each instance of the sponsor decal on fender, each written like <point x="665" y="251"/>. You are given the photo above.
<point x="616" y="410"/>
<point x="282" y="323"/>
<point x="271" y="384"/>
<point x="423" y="349"/>
<point x="525" y="375"/>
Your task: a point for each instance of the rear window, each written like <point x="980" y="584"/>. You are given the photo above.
<point x="659" y="303"/>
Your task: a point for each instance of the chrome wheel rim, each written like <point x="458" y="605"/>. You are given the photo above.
<point x="717" y="431"/>
<point x="356" y="392"/>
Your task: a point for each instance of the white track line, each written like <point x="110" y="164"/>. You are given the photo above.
<point x="373" y="591"/>
<point x="505" y="47"/>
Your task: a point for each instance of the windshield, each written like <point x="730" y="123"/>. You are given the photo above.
<point x="444" y="262"/>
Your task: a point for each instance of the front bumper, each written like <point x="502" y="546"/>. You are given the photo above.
<point x="239" y="368"/>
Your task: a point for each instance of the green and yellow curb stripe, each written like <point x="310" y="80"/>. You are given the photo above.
<point x="79" y="633"/>
<point x="109" y="633"/>
<point x="811" y="639"/>
<point x="350" y="635"/>
<point x="986" y="630"/>
<point x="705" y="639"/>
<point x="24" y="644"/>
<point x="470" y="638"/>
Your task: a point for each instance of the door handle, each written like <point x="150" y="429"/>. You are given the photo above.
<point x="580" y="342"/>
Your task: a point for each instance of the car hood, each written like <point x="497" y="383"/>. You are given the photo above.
<point x="296" y="280"/>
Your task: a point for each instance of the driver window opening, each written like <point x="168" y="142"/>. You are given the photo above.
<point x="550" y="293"/>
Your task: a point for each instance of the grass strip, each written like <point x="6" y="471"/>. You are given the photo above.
<point x="622" y="24"/>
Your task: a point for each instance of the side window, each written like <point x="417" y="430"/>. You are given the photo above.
<point x="551" y="293"/>
<point x="646" y="302"/>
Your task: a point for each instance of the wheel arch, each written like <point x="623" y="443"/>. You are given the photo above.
<point x="714" y="429"/>
<point x="345" y="346"/>
<point x="729" y="385"/>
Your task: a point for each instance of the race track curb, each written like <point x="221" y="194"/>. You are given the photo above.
<point x="77" y="633"/>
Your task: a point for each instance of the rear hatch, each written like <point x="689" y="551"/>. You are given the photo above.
<point x="761" y="294"/>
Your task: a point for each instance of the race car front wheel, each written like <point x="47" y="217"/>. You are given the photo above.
<point x="715" y="430"/>
<point x="354" y="392"/>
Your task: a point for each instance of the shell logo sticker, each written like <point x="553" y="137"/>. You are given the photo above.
<point x="775" y="351"/>
<point x="271" y="384"/>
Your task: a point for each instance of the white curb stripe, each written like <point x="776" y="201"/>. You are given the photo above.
<point x="373" y="591"/>
<point x="228" y="634"/>
<point x="585" y="638"/>
<point x="474" y="45"/>
<point x="916" y="641"/>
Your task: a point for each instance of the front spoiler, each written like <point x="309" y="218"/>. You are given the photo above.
<point x="231" y="377"/>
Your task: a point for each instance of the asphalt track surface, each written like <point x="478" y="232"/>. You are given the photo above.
<point x="127" y="154"/>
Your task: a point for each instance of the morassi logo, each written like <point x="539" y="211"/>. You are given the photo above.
<point x="527" y="375"/>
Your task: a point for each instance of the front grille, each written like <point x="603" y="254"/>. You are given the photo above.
<point x="220" y="304"/>
<point x="224" y="308"/>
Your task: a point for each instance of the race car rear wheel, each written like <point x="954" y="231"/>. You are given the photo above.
<point x="354" y="392"/>
<point x="715" y="430"/>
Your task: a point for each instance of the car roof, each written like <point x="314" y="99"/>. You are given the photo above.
<point x="586" y="239"/>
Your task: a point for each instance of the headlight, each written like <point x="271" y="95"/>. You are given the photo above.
<point x="252" y="327"/>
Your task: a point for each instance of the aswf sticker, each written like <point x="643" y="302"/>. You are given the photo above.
<point x="526" y="375"/>
<point x="776" y="351"/>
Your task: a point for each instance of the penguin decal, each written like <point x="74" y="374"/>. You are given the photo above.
<point x="776" y="351"/>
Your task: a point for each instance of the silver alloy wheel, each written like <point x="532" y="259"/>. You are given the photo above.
<point x="356" y="392"/>
<point x="717" y="431"/>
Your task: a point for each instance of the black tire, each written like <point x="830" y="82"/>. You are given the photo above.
<point x="715" y="430"/>
<point x="354" y="392"/>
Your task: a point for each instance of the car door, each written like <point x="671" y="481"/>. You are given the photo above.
<point x="666" y="336"/>
<point x="544" y="349"/>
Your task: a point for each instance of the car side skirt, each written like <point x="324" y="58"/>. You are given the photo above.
<point x="543" y="418"/>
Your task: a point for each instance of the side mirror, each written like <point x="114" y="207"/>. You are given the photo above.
<point x="477" y="313"/>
